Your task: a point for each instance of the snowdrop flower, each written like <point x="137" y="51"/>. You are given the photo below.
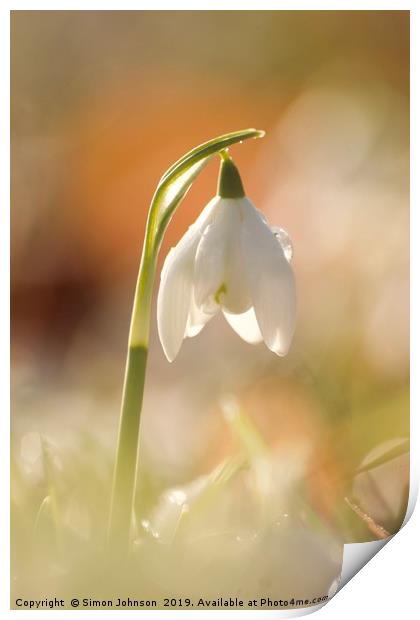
<point x="228" y="260"/>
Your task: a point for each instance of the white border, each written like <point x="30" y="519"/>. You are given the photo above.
<point x="5" y="304"/>
<point x="230" y="5"/>
<point x="392" y="569"/>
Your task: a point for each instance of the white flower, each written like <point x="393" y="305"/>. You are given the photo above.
<point x="228" y="260"/>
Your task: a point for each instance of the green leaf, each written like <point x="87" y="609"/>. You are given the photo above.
<point x="177" y="180"/>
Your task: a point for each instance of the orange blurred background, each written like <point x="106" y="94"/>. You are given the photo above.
<point x="102" y="104"/>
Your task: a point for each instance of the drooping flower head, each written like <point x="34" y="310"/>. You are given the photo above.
<point x="229" y="260"/>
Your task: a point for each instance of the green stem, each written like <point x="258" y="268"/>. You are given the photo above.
<point x="128" y="436"/>
<point x="126" y="463"/>
<point x="170" y="191"/>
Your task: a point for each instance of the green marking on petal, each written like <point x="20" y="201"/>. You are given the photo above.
<point x="220" y="291"/>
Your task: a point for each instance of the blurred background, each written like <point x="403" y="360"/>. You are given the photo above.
<point x="102" y="104"/>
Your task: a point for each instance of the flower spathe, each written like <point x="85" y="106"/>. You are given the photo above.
<point x="228" y="260"/>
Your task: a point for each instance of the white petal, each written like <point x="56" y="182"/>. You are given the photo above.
<point x="218" y="276"/>
<point x="209" y="265"/>
<point x="197" y="319"/>
<point x="245" y="325"/>
<point x="237" y="298"/>
<point x="174" y="297"/>
<point x="175" y="291"/>
<point x="271" y="281"/>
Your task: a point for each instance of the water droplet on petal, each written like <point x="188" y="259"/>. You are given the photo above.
<point x="286" y="243"/>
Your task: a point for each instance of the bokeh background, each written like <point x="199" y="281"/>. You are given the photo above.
<point x="102" y="104"/>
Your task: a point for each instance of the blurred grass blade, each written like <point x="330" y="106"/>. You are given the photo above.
<point x="243" y="429"/>
<point x="402" y="448"/>
<point x="379" y="532"/>
<point x="44" y="515"/>
<point x="50" y="503"/>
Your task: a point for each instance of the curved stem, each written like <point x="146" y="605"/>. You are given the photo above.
<point x="178" y="177"/>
